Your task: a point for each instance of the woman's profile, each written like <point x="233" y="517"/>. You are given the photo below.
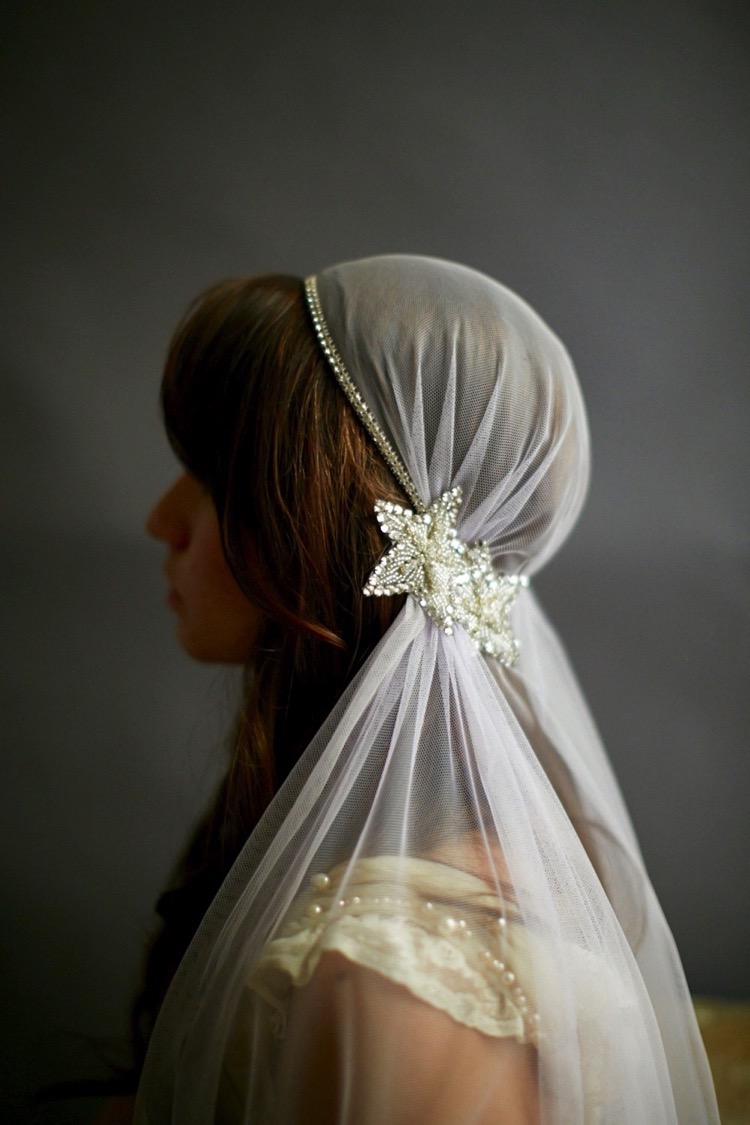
<point x="417" y="897"/>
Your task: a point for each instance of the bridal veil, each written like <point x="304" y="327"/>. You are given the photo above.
<point x="444" y="910"/>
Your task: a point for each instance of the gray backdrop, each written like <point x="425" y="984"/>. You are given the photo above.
<point x="592" y="156"/>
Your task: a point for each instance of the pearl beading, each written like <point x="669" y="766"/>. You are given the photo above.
<point x="483" y="934"/>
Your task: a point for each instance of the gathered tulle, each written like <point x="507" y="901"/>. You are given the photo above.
<point x="444" y="915"/>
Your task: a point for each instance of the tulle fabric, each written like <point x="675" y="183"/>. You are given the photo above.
<point x="443" y="916"/>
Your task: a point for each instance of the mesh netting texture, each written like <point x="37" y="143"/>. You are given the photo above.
<point x="444" y="915"/>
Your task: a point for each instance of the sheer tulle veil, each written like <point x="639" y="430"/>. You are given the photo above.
<point x="455" y="826"/>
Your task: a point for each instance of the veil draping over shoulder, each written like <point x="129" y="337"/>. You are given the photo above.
<point x="450" y="869"/>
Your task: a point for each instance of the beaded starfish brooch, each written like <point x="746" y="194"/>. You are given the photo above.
<point x="452" y="581"/>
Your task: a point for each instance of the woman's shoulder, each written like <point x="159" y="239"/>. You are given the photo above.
<point x="435" y="929"/>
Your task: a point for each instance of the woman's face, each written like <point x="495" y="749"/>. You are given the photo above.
<point x="215" y="621"/>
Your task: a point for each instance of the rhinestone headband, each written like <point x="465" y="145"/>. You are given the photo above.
<point x="360" y="407"/>
<point x="454" y="582"/>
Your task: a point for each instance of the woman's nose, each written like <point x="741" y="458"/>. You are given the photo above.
<point x="167" y="519"/>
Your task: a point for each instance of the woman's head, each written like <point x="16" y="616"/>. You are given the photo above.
<point x="263" y="432"/>
<point x="465" y="380"/>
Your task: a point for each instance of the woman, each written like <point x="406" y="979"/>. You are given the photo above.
<point x="421" y="896"/>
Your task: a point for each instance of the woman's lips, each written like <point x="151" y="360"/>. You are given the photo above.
<point x="173" y="599"/>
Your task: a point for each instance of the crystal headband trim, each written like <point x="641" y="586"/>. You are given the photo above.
<point x="452" y="581"/>
<point x="358" y="404"/>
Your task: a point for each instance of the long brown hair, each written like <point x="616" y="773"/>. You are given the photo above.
<point x="252" y="412"/>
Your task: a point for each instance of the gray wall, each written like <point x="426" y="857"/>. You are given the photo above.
<point x="594" y="157"/>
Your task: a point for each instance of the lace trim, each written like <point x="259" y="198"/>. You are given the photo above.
<point x="463" y="958"/>
<point x="441" y="933"/>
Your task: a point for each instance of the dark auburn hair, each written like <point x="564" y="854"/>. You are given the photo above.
<point x="252" y="411"/>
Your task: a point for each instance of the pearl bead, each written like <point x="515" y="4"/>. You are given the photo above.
<point x="321" y="882"/>
<point x="356" y="900"/>
<point x="509" y="977"/>
<point x="315" y="910"/>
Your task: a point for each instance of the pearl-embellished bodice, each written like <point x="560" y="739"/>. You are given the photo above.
<point x="437" y="931"/>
